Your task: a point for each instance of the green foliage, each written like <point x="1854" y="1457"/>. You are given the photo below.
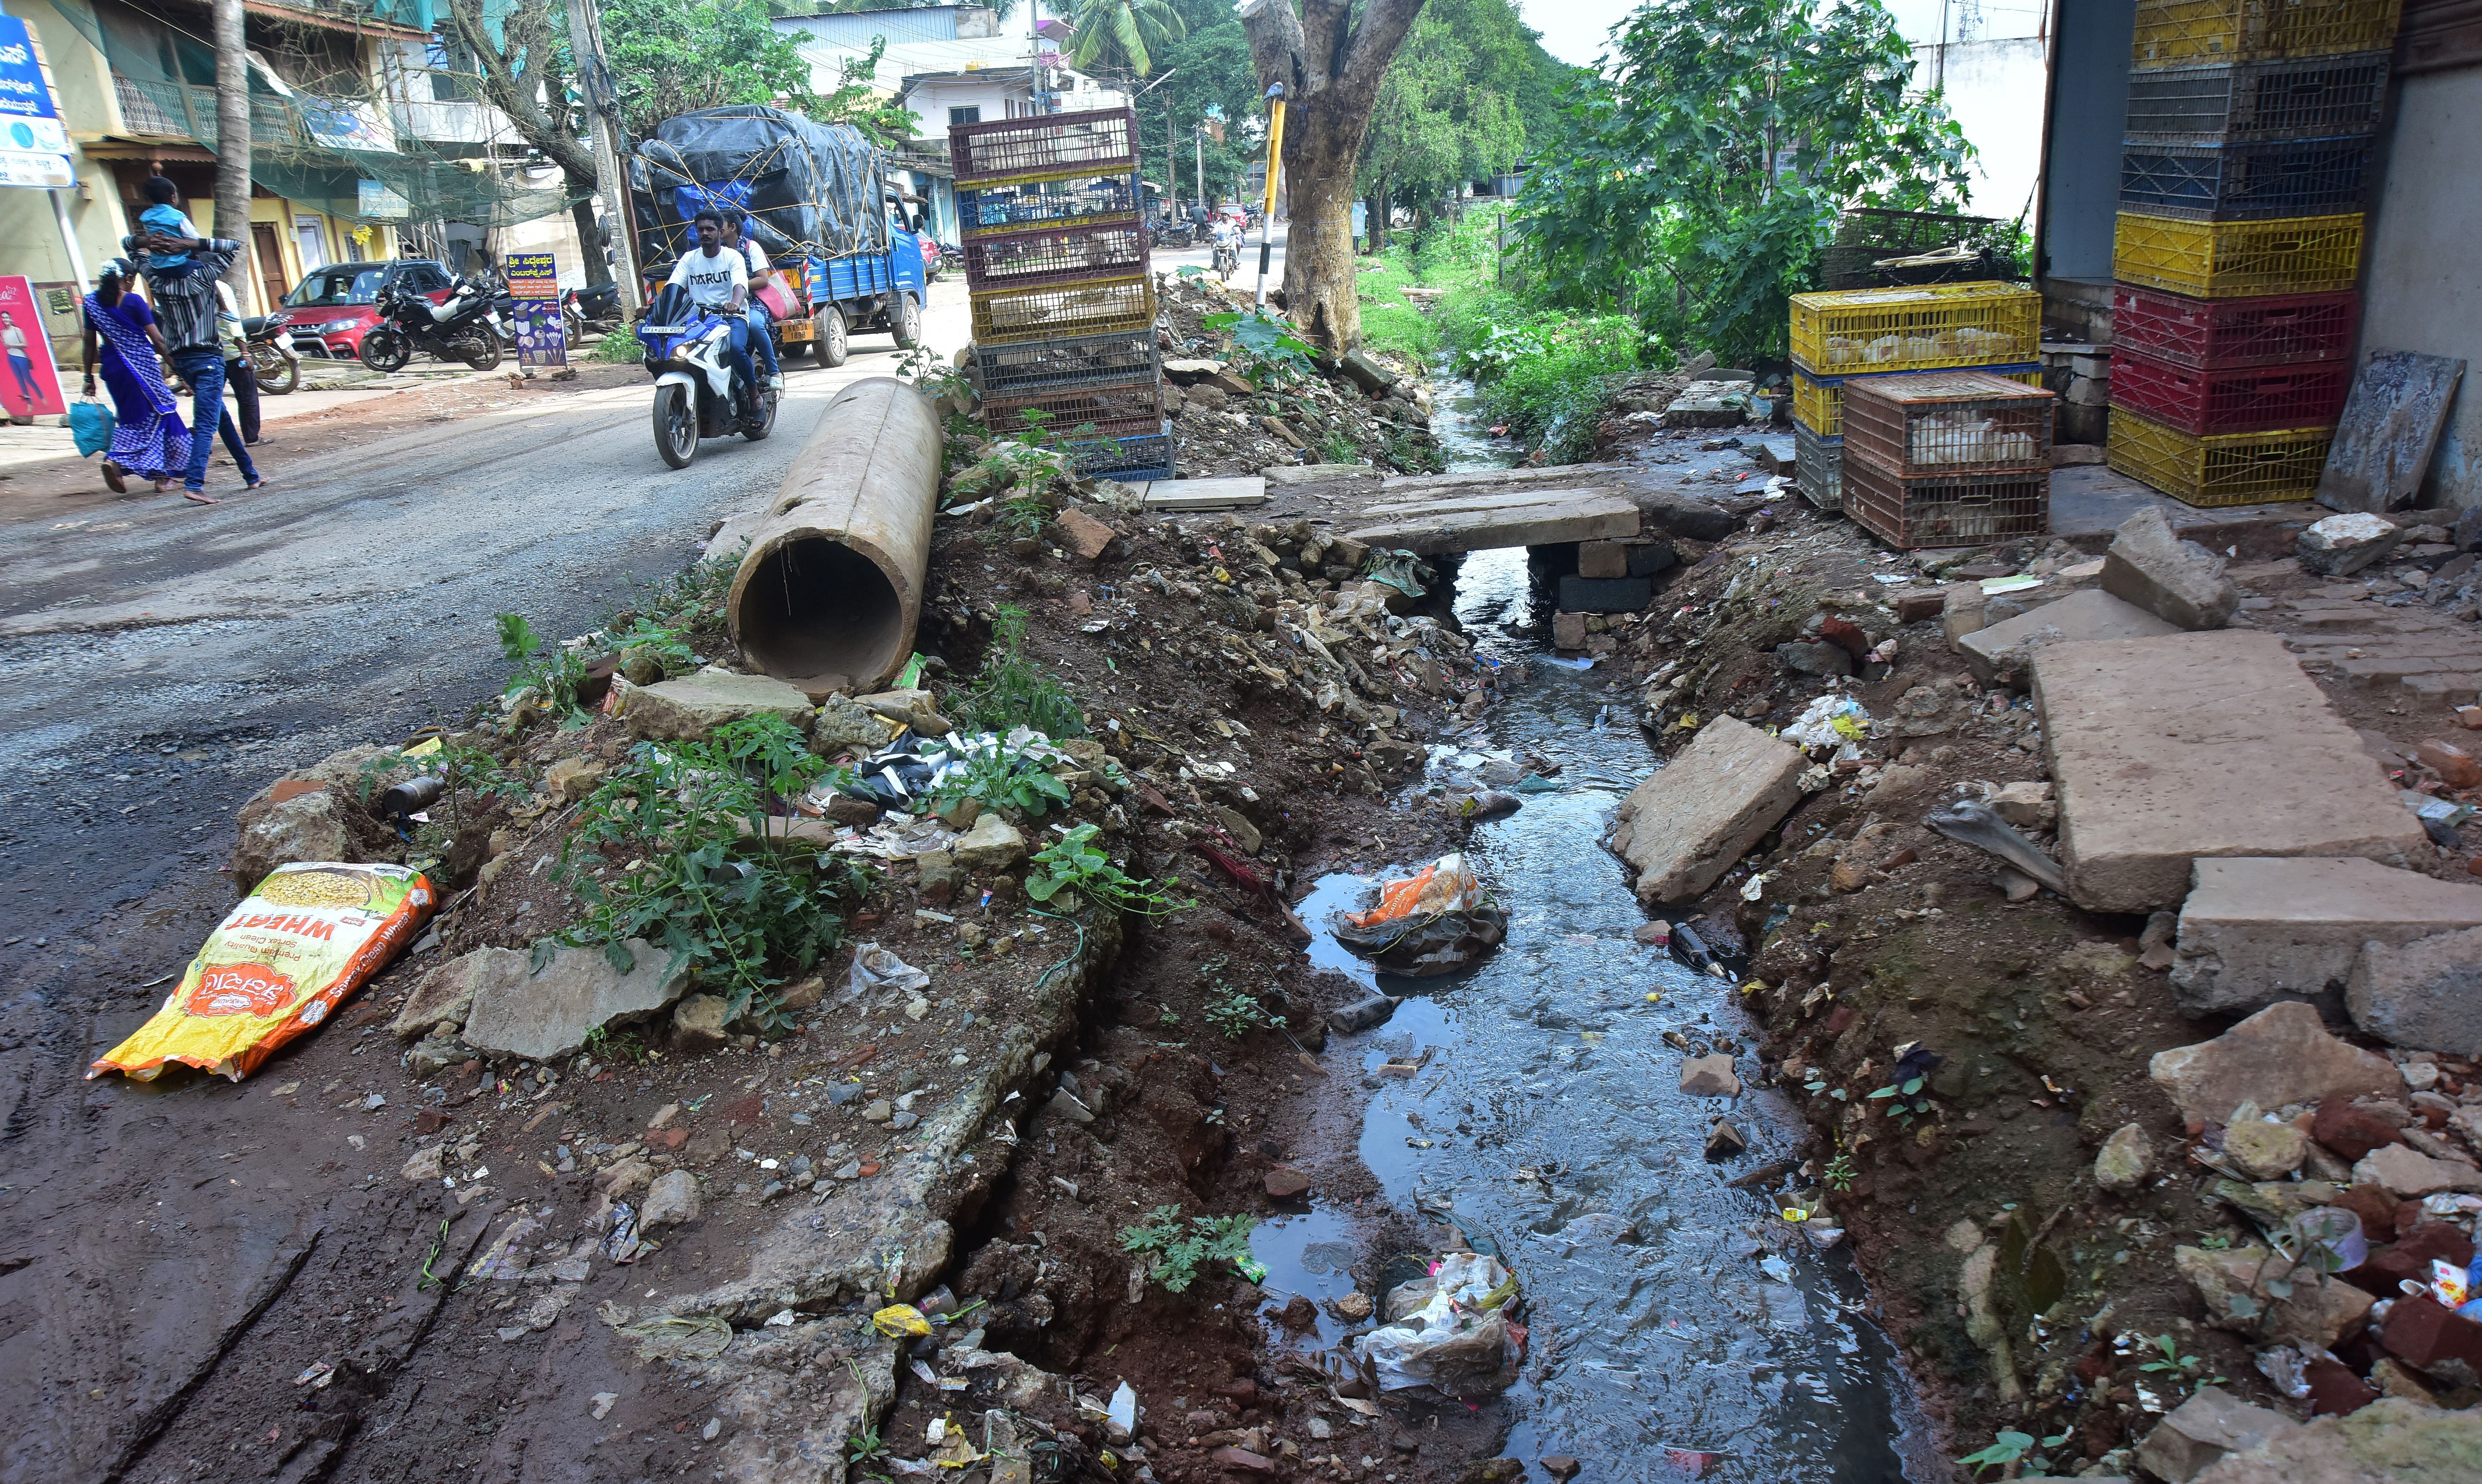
<point x="1698" y="179"/>
<point x="1208" y="67"/>
<point x="619" y="346"/>
<point x="1001" y="777"/>
<point x="865" y="1446"/>
<point x="668" y="647"/>
<point x="1236" y="1013"/>
<point x="1840" y="1172"/>
<point x="1545" y="376"/>
<point x="1465" y="95"/>
<point x="699" y="876"/>
<point x="1124" y="35"/>
<point x="1072" y="864"/>
<point x="551" y="670"/>
<point x="1175" y="1249"/>
<point x="1011" y="690"/>
<point x="2170" y="1365"/>
<point x="1265" y="351"/>
<point x="670" y="57"/>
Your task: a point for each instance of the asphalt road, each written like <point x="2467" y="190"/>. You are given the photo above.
<point x="1204" y="257"/>
<point x="163" y="660"/>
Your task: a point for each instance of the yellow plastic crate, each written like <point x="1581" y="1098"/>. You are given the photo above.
<point x="2238" y="259"/>
<point x="1062" y="311"/>
<point x="2230" y="469"/>
<point x="2191" y="32"/>
<point x="1854" y="331"/>
<point x="1818" y="402"/>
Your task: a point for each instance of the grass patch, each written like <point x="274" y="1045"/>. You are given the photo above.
<point x="619" y="346"/>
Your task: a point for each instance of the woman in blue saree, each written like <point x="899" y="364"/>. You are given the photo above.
<point x="149" y="440"/>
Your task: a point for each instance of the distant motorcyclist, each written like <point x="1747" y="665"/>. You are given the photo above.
<point x="761" y="273"/>
<point x="719" y="281"/>
<point x="1227" y="244"/>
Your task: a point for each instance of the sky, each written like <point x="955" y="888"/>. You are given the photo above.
<point x="1576" y="31"/>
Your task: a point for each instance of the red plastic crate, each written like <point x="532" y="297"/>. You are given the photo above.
<point x="1055" y="254"/>
<point x="2217" y="335"/>
<point x="2247" y="399"/>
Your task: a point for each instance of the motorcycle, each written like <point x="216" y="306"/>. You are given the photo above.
<point x="581" y="308"/>
<point x="1177" y="235"/>
<point x="272" y="355"/>
<point x="1227" y="259"/>
<point x="688" y="352"/>
<point x="468" y="327"/>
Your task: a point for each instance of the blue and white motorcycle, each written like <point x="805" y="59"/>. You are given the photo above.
<point x="689" y="351"/>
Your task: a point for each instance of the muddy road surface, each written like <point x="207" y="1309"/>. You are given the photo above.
<point x="163" y="660"/>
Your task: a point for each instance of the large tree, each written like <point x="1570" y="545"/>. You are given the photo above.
<point x="1701" y="174"/>
<point x="524" y="58"/>
<point x="670" y="57"/>
<point x="1465" y="96"/>
<point x="1124" y="35"/>
<point x="1331" y="56"/>
<point x="232" y="141"/>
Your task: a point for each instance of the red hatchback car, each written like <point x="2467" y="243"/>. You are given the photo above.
<point x="331" y="309"/>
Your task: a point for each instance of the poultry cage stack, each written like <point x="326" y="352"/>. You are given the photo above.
<point x="1843" y="338"/>
<point x="1062" y="288"/>
<point x="2238" y="243"/>
<point x="1947" y="458"/>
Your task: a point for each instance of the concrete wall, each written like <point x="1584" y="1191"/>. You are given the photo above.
<point x="1995" y="92"/>
<point x="2420" y="289"/>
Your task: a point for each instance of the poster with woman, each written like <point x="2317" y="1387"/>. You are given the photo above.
<point x="28" y="385"/>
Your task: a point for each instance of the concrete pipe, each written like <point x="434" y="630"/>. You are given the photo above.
<point x="830" y="591"/>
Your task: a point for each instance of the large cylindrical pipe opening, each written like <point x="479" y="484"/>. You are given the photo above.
<point x="828" y="594"/>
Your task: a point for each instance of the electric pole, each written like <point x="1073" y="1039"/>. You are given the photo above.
<point x="232" y="140"/>
<point x="594" y="80"/>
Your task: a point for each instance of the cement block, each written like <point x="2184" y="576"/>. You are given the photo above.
<point x="1646" y="557"/>
<point x="1997" y="654"/>
<point x="1604" y="595"/>
<point x="2425" y="994"/>
<point x="2257" y="930"/>
<point x="2168" y="749"/>
<point x="2177" y="581"/>
<point x="1686" y="826"/>
<point x="1603" y="559"/>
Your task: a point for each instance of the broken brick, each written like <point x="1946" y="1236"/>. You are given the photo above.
<point x="2351" y="1133"/>
<point x="2433" y="1340"/>
<point x="2456" y="766"/>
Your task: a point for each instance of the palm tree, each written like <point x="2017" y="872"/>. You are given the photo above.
<point x="1118" y="34"/>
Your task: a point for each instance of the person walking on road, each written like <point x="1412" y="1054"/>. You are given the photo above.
<point x="239" y="374"/>
<point x="148" y="438"/>
<point x="185" y="314"/>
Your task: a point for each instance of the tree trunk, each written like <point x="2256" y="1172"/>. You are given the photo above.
<point x="1379" y="219"/>
<point x="590" y="240"/>
<point x="1330" y="64"/>
<point x="232" y="141"/>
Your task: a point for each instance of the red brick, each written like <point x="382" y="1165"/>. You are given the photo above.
<point x="2334" y="1390"/>
<point x="1913" y="606"/>
<point x="2350" y="1132"/>
<point x="2456" y="766"/>
<point x="2432" y="1339"/>
<point x="2409" y="1257"/>
<point x="1845" y="635"/>
<point x="2376" y="1205"/>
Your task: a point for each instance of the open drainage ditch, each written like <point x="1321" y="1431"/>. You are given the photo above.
<point x="1677" y="1327"/>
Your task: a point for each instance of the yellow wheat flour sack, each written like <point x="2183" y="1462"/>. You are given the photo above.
<point x="279" y="965"/>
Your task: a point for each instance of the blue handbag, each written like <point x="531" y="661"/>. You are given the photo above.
<point x="91" y="423"/>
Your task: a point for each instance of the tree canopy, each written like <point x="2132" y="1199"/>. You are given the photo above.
<point x="1698" y="179"/>
<point x="1125" y="37"/>
<point x="1471" y="91"/>
<point x="670" y="57"/>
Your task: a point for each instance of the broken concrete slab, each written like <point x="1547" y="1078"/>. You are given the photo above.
<point x="2202" y="1430"/>
<point x="549" y="1013"/>
<point x="447" y="994"/>
<point x="1998" y="655"/>
<point x="2395" y="1439"/>
<point x="1530" y="517"/>
<point x="689" y="708"/>
<point x="2423" y="992"/>
<point x="2409" y="1174"/>
<point x="2321" y="1314"/>
<point x="1683" y="828"/>
<point x="2169" y="749"/>
<point x="1225" y="492"/>
<point x="2341" y="545"/>
<point x="2282" y="1054"/>
<point x="2255" y="929"/>
<point x="2177" y="581"/>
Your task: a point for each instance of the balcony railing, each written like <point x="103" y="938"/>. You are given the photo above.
<point x="188" y="111"/>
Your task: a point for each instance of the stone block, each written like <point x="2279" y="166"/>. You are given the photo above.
<point x="1604" y="595"/>
<point x="2320" y="1313"/>
<point x="687" y="709"/>
<point x="2341" y="545"/>
<point x="1683" y="828"/>
<point x="548" y="1014"/>
<point x="2396" y="1439"/>
<point x="2169" y="749"/>
<point x="1998" y="653"/>
<point x="1913" y="607"/>
<point x="447" y="993"/>
<point x="1085" y="537"/>
<point x="2202" y="1430"/>
<point x="1819" y="659"/>
<point x="2177" y="581"/>
<point x="992" y="844"/>
<point x="1711" y="1077"/>
<point x="2256" y="930"/>
<point x="1646" y="557"/>
<point x="1567" y="632"/>
<point x="2425" y="994"/>
<point x="1603" y="559"/>
<point x="2126" y="1159"/>
<point x="2409" y="1174"/>
<point x="2282" y="1054"/>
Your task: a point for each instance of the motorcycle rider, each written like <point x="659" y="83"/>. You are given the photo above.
<point x="761" y="273"/>
<point x="1228" y="239"/>
<point x="719" y="281"/>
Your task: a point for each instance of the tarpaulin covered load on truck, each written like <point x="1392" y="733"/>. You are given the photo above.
<point x="812" y="189"/>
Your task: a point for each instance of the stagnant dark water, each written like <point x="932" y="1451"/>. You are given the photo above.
<point x="1671" y="1318"/>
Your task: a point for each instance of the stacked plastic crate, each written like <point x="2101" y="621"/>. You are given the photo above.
<point x="1947" y="458"/>
<point x="2238" y="244"/>
<point x="1051" y="216"/>
<point x="1845" y="336"/>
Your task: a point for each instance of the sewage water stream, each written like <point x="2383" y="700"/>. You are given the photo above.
<point x="1679" y="1328"/>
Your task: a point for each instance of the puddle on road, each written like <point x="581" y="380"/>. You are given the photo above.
<point x="1546" y="1125"/>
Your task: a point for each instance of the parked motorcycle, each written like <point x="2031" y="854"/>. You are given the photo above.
<point x="468" y="327"/>
<point x="1177" y="235"/>
<point x="599" y="307"/>
<point x="689" y="354"/>
<point x="272" y="355"/>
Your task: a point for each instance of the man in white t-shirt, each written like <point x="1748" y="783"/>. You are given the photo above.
<point x="719" y="281"/>
<point x="737" y="239"/>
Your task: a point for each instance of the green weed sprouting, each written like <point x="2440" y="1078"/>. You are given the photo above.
<point x="1074" y="865"/>
<point x="1011" y="690"/>
<point x="1175" y="1249"/>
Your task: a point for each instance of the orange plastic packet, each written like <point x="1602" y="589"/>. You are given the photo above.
<point x="278" y="967"/>
<point x="1445" y="886"/>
